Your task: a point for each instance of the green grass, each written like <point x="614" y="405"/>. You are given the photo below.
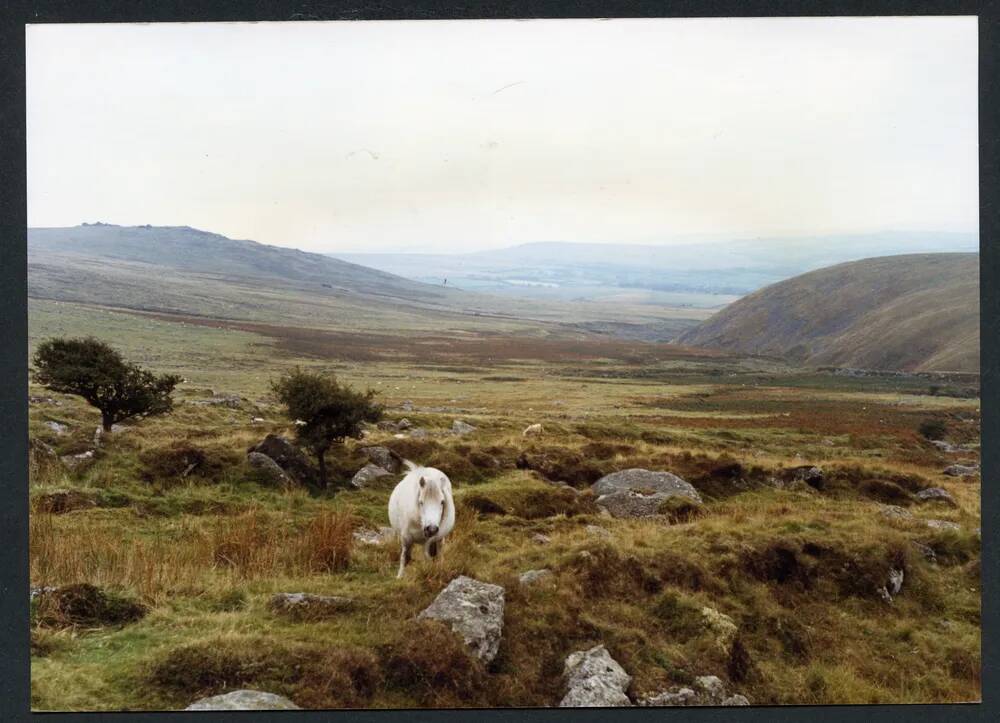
<point x="813" y="635"/>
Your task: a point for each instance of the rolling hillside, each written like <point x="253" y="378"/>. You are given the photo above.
<point x="915" y="312"/>
<point x="184" y="271"/>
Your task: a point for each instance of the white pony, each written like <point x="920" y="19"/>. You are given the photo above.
<point x="421" y="509"/>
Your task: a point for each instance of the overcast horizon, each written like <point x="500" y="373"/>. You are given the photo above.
<point x="452" y="136"/>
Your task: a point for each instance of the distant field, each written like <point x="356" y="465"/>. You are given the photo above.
<point x="795" y="568"/>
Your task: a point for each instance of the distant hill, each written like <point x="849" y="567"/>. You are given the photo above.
<point x="182" y="270"/>
<point x="916" y="312"/>
<point x="705" y="272"/>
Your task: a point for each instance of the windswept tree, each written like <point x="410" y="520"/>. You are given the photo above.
<point x="328" y="412"/>
<point x="91" y="369"/>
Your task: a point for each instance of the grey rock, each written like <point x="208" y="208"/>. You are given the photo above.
<point x="406" y="406"/>
<point x="374" y="537"/>
<point x="460" y="427"/>
<point x="289" y="457"/>
<point x="541" y="539"/>
<point x="632" y="504"/>
<point x="597" y="531"/>
<point x="72" y="461"/>
<point x="926" y="551"/>
<point x="935" y="494"/>
<point x="59" y="429"/>
<point x="268" y="471"/>
<point x="244" y="700"/>
<point x="943" y="525"/>
<point x="404" y="424"/>
<point x="306" y="606"/>
<point x="474" y="610"/>
<point x="33" y="399"/>
<point x="707" y="690"/>
<point x="383" y="457"/>
<point x="419" y="433"/>
<point x="895" y="584"/>
<point x="594" y="680"/>
<point x="368" y="474"/>
<point x="943" y="446"/>
<point x="735" y="700"/>
<point x="532" y="576"/>
<point x="645" y="481"/>
<point x="961" y="470"/>
<point x="895" y="512"/>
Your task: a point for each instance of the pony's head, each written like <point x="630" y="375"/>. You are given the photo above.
<point x="431" y="501"/>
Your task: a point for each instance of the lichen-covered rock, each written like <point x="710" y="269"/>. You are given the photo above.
<point x="597" y="531"/>
<point x="244" y="700"/>
<point x="530" y="577"/>
<point x="961" y="470"/>
<point x="374" y="537"/>
<point x="943" y="525"/>
<point x="594" y="680"/>
<point x="383" y="457"/>
<point x="368" y="474"/>
<point x="895" y="512"/>
<point x="645" y="482"/>
<point x="706" y="690"/>
<point x="306" y="606"/>
<point x="289" y="457"/>
<point x="59" y="429"/>
<point x="267" y="471"/>
<point x="935" y="494"/>
<point x="474" y="610"/>
<point x="630" y="504"/>
<point x="721" y="625"/>
<point x="460" y="427"/>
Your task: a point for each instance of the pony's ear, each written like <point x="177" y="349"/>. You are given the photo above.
<point x="422" y="481"/>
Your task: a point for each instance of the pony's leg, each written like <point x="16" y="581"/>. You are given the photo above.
<point x="404" y="557"/>
<point x="432" y="548"/>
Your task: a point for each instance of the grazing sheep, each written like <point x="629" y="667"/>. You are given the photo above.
<point x="421" y="509"/>
<point x="533" y="430"/>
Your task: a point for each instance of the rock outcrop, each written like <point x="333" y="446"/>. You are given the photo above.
<point x="474" y="610"/>
<point x="287" y="456"/>
<point x="244" y="700"/>
<point x="368" y="474"/>
<point x="646" y="482"/>
<point x="594" y="680"/>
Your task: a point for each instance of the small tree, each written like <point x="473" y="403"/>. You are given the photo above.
<point x="331" y="412"/>
<point x="933" y="429"/>
<point x="91" y="369"/>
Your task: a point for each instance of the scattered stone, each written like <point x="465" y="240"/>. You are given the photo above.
<point x="943" y="525"/>
<point x="961" y="470"/>
<point x="943" y="446"/>
<point x="474" y="610"/>
<point x="935" y="494"/>
<point x="460" y="427"/>
<point x="404" y="424"/>
<point x="926" y="551"/>
<point x="287" y="456"/>
<point x="384" y="458"/>
<point x="306" y="606"/>
<point x="59" y="429"/>
<point x="257" y="420"/>
<point x="406" y="406"/>
<point x="32" y="399"/>
<point x="893" y="586"/>
<point x="419" y="433"/>
<point x="721" y="624"/>
<point x="71" y="461"/>
<point x="374" y="537"/>
<point x="532" y="576"/>
<point x="646" y="482"/>
<point x="368" y="474"/>
<point x="895" y="512"/>
<point x="594" y="680"/>
<point x="268" y="471"/>
<point x="812" y="476"/>
<point x="597" y="531"/>
<point x="387" y="425"/>
<point x="244" y="700"/>
<point x="707" y="690"/>
<point x="541" y="539"/>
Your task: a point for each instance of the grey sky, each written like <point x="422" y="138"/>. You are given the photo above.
<point x="461" y="135"/>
